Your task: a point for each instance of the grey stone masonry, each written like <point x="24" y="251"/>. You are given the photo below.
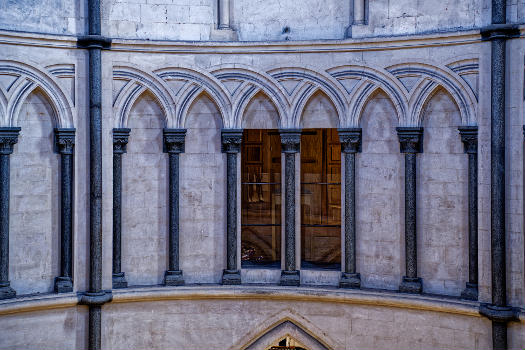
<point x="411" y="143"/>
<point x="8" y="138"/>
<point x="350" y="145"/>
<point x="173" y="145"/>
<point x="469" y="137"/>
<point x="290" y="145"/>
<point x="231" y="145"/>
<point x="65" y="145"/>
<point x="120" y="141"/>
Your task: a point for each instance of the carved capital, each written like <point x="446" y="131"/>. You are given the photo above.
<point x="231" y="140"/>
<point x="290" y="140"/>
<point x="120" y="140"/>
<point x="64" y="140"/>
<point x="350" y="140"/>
<point x="469" y="137"/>
<point x="8" y="138"/>
<point x="174" y="140"/>
<point x="410" y="139"/>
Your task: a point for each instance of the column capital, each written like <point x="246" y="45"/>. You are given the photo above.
<point x="64" y="140"/>
<point x="8" y="138"/>
<point x="410" y="139"/>
<point x="231" y="140"/>
<point x="290" y="140"/>
<point x="174" y="140"/>
<point x="469" y="137"/>
<point x="350" y="139"/>
<point x="120" y="140"/>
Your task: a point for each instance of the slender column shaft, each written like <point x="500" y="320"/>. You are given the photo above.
<point x="231" y="145"/>
<point x="224" y="14"/>
<point x="410" y="139"/>
<point x="350" y="145"/>
<point x="469" y="137"/>
<point x="8" y="138"/>
<point x="173" y="145"/>
<point x="499" y="285"/>
<point x="410" y="215"/>
<point x="359" y="11"/>
<point x="120" y="141"/>
<point x="290" y="145"/>
<point x="65" y="141"/>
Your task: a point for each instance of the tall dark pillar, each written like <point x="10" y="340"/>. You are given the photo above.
<point x="469" y="137"/>
<point x="290" y="146"/>
<point x="65" y="145"/>
<point x="8" y="138"/>
<point x="95" y="297"/>
<point x="499" y="312"/>
<point x="120" y="141"/>
<point x="173" y="145"/>
<point x="231" y="145"/>
<point x="411" y="142"/>
<point x="350" y="145"/>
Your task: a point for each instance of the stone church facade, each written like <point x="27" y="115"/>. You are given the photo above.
<point x="246" y="174"/>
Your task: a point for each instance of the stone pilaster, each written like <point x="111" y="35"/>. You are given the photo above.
<point x="8" y="138"/>
<point x="120" y="141"/>
<point x="174" y="146"/>
<point x="469" y="137"/>
<point x="411" y="143"/>
<point x="231" y="145"/>
<point x="350" y="145"/>
<point x="65" y="145"/>
<point x="290" y="145"/>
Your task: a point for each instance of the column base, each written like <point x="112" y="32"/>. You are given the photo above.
<point x="412" y="285"/>
<point x="119" y="280"/>
<point x="63" y="284"/>
<point x="350" y="280"/>
<point x="231" y="277"/>
<point x="470" y="292"/>
<point x="6" y="292"/>
<point x="290" y="278"/>
<point x="173" y="278"/>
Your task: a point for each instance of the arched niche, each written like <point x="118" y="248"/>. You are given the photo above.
<point x="319" y="112"/>
<point x="260" y="113"/>
<point x="144" y="195"/>
<point x="379" y="196"/>
<point x="289" y="332"/>
<point x="34" y="240"/>
<point x="202" y="194"/>
<point x="442" y="215"/>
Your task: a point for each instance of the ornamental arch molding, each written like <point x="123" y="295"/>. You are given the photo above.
<point x="428" y="77"/>
<point x="251" y="93"/>
<point x="360" y="82"/>
<point x="187" y="84"/>
<point x="287" y="323"/>
<point x="129" y="83"/>
<point x="301" y="84"/>
<point x="243" y="82"/>
<point x="24" y="79"/>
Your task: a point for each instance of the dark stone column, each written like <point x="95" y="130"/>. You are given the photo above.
<point x="290" y="145"/>
<point x="499" y="312"/>
<point x="120" y="141"/>
<point x="411" y="142"/>
<point x="65" y="145"/>
<point x="231" y="145"/>
<point x="350" y="145"/>
<point x="469" y="137"/>
<point x="8" y="138"/>
<point x="94" y="42"/>
<point x="173" y="145"/>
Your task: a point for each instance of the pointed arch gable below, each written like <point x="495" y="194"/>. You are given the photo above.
<point x="319" y="112"/>
<point x="286" y="329"/>
<point x="260" y="113"/>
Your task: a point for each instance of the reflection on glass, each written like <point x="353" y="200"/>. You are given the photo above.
<point x="320" y="199"/>
<point x="261" y="198"/>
